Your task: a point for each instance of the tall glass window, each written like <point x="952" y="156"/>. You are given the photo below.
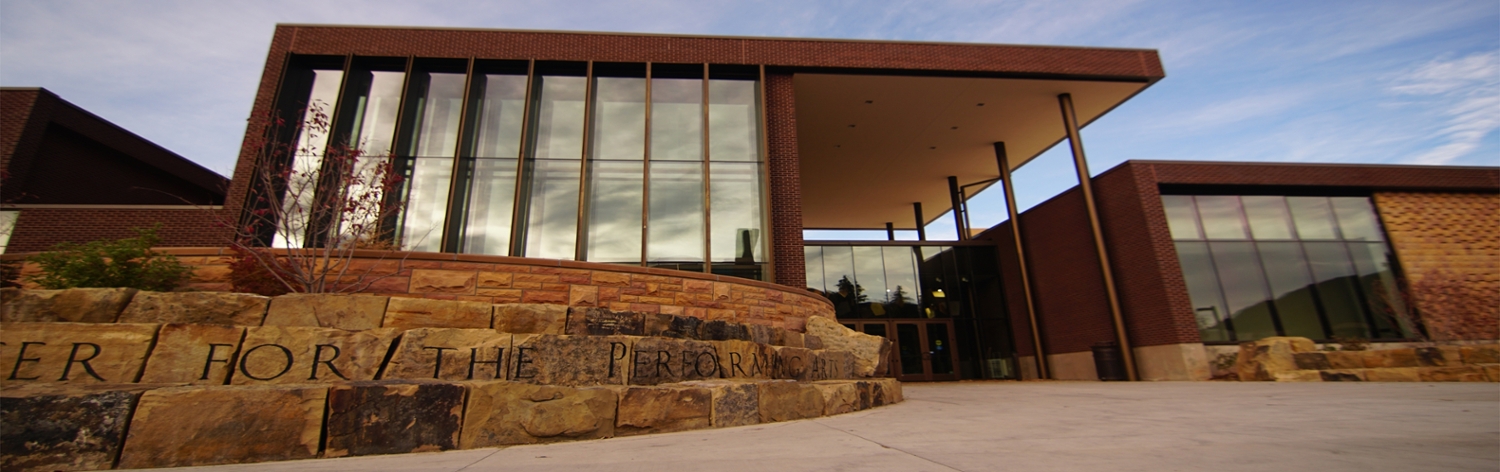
<point x="307" y="157"/>
<point x="436" y="104"/>
<point x="497" y="111"/>
<point x="551" y="223"/>
<point x="616" y="187"/>
<point x="734" y="172"/>
<point x="1258" y="266"/>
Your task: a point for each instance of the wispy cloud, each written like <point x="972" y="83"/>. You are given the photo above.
<point x="1466" y="95"/>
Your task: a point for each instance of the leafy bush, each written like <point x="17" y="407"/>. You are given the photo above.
<point x="249" y="275"/>
<point x="125" y="262"/>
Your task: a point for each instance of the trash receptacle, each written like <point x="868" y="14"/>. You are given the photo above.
<point x="1109" y="362"/>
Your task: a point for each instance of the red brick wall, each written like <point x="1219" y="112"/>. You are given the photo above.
<point x="19" y="135"/>
<point x="39" y="229"/>
<point x="786" y="181"/>
<point x="1448" y="245"/>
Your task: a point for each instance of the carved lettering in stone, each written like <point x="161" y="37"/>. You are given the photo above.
<point x="195" y="354"/>
<point x="743" y="359"/>
<point x="572" y="360"/>
<point x="452" y="354"/>
<point x="664" y="360"/>
<point x="73" y="352"/>
<point x="286" y="355"/>
<point x="604" y="322"/>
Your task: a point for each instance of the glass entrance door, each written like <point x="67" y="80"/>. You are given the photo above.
<point x="923" y="350"/>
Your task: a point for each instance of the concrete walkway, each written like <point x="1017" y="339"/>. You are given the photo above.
<point x="1042" y="426"/>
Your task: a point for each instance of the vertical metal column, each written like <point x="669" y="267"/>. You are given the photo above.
<point x="1085" y="185"/>
<point x="1015" y="231"/>
<point x="958" y="208"/>
<point x="890" y="231"/>
<point x="916" y="207"/>
<point x="581" y="224"/>
<point x="646" y="174"/>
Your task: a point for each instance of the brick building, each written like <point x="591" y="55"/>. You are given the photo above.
<point x="70" y="175"/>
<point x="673" y="154"/>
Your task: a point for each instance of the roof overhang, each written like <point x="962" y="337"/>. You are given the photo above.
<point x="871" y="145"/>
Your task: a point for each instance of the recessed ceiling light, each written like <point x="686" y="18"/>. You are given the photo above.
<point x="932" y="147"/>
<point x="867" y="102"/>
<point x="851" y="126"/>
<point x="838" y="145"/>
<point x="979" y="105"/>
<point x="955" y="127"/>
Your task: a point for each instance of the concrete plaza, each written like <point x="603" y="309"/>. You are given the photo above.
<point x="1042" y="426"/>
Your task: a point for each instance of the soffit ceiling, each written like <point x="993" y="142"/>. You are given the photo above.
<point x="909" y="134"/>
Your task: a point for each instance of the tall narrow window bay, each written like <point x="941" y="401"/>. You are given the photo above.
<point x="552" y="210"/>
<point x="616" y="173"/>
<point x="498" y="110"/>
<point x="430" y="161"/>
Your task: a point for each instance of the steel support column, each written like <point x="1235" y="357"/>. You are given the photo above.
<point x="1085" y="185"/>
<point x="890" y="231"/>
<point x="1015" y="231"/>
<point x="958" y="208"/>
<point x="916" y="207"/>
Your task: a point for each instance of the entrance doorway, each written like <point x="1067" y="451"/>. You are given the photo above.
<point x="923" y="347"/>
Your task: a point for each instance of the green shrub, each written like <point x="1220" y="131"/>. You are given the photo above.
<point x="125" y="262"/>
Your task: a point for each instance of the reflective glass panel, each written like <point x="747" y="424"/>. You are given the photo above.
<point x="426" y="203"/>
<point x="1356" y="219"/>
<point x="1203" y="289"/>
<point x="1292" y="288"/>
<point x="619" y="118"/>
<point x="375" y="115"/>
<point x="869" y="272"/>
<point x="1244" y="289"/>
<point x="1268" y="217"/>
<point x="735" y="212"/>
<point x="437" y="117"/>
<point x="677" y="120"/>
<point x="559" y="118"/>
<point x="733" y="124"/>
<point x="812" y="256"/>
<point x="838" y="277"/>
<point x="1181" y="217"/>
<point x="903" y="296"/>
<point x="676" y="225"/>
<point x="940" y="348"/>
<point x="875" y="329"/>
<point x="1313" y="217"/>
<point x="499" y="110"/>
<point x="552" y="213"/>
<point x="909" y="341"/>
<point x="615" y="198"/>
<point x="492" y="190"/>
<point x="308" y="157"/>
<point x="1373" y="264"/>
<point x="1221" y="217"/>
<point x="1338" y="290"/>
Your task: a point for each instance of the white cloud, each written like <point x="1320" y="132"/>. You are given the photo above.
<point x="1464" y="93"/>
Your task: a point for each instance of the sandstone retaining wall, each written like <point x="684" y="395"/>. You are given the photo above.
<point x="1293" y="359"/>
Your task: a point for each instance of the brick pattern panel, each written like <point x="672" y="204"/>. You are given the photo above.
<point x="1153" y="296"/>
<point x="39" y="229"/>
<point x="1448" y="246"/>
<point x="1383" y="177"/>
<point x="786" y="181"/>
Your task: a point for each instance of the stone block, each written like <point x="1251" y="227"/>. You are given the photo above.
<point x="1311" y="360"/>
<point x="785" y="400"/>
<point x="1342" y="375"/>
<point x="831" y="365"/>
<point x="410" y="313"/>
<point x="1299" y="376"/>
<point x="766" y="335"/>
<point x="571" y="360"/>
<point x="1430" y="357"/>
<point x="531" y="318"/>
<point x="74" y="352"/>
<point x="664" y="360"/>
<point x="1466" y="373"/>
<point x="811" y="341"/>
<point x="868" y="350"/>
<point x="1345" y="359"/>
<point x="839" y="396"/>
<point x="327" y="311"/>
<point x="1406" y="357"/>
<point x="645" y="410"/>
<point x="1481" y="354"/>
<point x="1491" y="372"/>
<point x="503" y="413"/>
<point x="296" y="354"/>
<point x="63" y="430"/>
<point x="451" y="354"/>
<point x="1263" y="359"/>
<point x="735" y="403"/>
<point x="887" y="391"/>
<point x="1393" y="374"/>
<point x="186" y="426"/>
<point x="238" y="309"/>
<point x="720" y="330"/>
<point x="792" y="339"/>
<point x="443" y="281"/>
<point x="792" y="363"/>
<point x="74" y="305"/>
<point x="605" y="322"/>
<point x="393" y="417"/>
<point x="743" y="359"/>
<point x="194" y="354"/>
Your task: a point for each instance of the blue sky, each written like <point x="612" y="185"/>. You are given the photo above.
<point x="1400" y="82"/>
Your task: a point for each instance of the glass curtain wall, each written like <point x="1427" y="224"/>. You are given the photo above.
<point x="1260" y="266"/>
<point x="557" y="160"/>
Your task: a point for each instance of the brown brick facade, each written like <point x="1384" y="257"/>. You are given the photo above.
<point x="786" y="181"/>
<point x="1448" y="245"/>
<point x="39" y="229"/>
